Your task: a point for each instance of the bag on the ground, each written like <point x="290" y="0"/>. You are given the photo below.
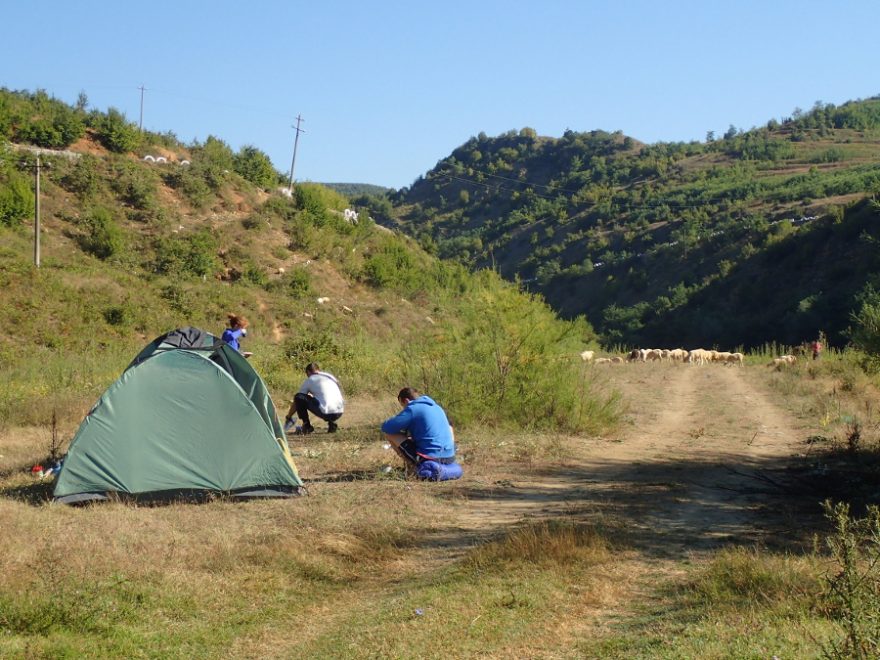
<point x="434" y="471"/>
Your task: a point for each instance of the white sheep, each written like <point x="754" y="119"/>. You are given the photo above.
<point x="699" y="356"/>
<point x="678" y="354"/>
<point x="652" y="354"/>
<point x="782" y="361"/>
<point x="586" y="356"/>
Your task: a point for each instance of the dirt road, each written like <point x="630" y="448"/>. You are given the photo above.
<point x="693" y="468"/>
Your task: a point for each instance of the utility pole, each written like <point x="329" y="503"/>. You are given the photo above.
<point x="143" y="89"/>
<point x="295" y="142"/>
<point x="36" y="167"/>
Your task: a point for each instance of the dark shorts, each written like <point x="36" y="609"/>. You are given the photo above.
<point x="408" y="447"/>
<point x="308" y="404"/>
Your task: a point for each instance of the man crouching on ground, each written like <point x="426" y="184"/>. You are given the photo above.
<point x="320" y="395"/>
<point x="420" y="432"/>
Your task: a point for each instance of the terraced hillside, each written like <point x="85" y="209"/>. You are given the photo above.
<point x="638" y="237"/>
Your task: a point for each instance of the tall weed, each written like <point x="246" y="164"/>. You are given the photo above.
<point x="852" y="593"/>
<point x="510" y="362"/>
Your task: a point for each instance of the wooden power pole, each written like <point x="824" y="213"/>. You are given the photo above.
<point x="295" y="143"/>
<point x="36" y="168"/>
<point x="141" y="124"/>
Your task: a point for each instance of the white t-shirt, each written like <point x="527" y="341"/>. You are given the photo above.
<point x="325" y="388"/>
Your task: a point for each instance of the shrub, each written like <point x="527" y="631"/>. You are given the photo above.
<point x="392" y="265"/>
<point x="853" y="593"/>
<point x="195" y="254"/>
<point x="116" y="133"/>
<point x="255" y="166"/>
<point x="103" y="238"/>
<point x="318" y="347"/>
<point x="299" y="283"/>
<point x="302" y="233"/>
<point x="511" y="364"/>
<point x="47" y="122"/>
<point x="191" y="184"/>
<point x="865" y="323"/>
<point x="82" y="179"/>
<point x="179" y="299"/>
<point x="255" y="274"/>
<point x="135" y="186"/>
<point x="212" y="162"/>
<point x="16" y="199"/>
<point x="254" y="222"/>
<point x="119" y="315"/>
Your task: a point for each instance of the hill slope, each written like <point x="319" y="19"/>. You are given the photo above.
<point x="631" y="234"/>
<point x="135" y="246"/>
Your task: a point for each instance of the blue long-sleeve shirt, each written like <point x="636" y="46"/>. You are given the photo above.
<point x="427" y="424"/>
<point x="231" y="337"/>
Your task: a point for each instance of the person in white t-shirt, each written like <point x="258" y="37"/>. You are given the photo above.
<point x="320" y="395"/>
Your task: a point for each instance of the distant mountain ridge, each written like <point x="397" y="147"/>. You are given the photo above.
<point x="636" y="236"/>
<point x="357" y="189"/>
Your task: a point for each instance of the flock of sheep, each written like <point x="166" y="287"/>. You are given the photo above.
<point x="697" y="356"/>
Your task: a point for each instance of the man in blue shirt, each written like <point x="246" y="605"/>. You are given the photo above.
<point x="421" y="431"/>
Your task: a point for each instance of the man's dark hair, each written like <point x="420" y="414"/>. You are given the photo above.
<point x="410" y="393"/>
<point x="312" y="368"/>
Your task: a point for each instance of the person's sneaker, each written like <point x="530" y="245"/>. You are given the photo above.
<point x="332" y="427"/>
<point x="305" y="429"/>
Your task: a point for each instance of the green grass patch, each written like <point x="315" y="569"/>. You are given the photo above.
<point x="743" y="603"/>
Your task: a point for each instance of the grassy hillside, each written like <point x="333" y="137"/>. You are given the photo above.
<point x="638" y="236"/>
<point x="352" y="190"/>
<point x="133" y="247"/>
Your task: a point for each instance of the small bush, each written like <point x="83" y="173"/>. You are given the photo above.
<point x="118" y="315"/>
<point x="16" y="199"/>
<point x="255" y="275"/>
<point x="280" y="207"/>
<point x="512" y="363"/>
<point x="302" y="233"/>
<point x="392" y="265"/>
<point x="116" y="133"/>
<point x="191" y="184"/>
<point x="255" y="166"/>
<point x="195" y="254"/>
<point x="299" y="283"/>
<point x="852" y="594"/>
<point x="136" y="187"/>
<point x="254" y="222"/>
<point x="82" y="179"/>
<point x="320" y="347"/>
<point x="103" y="238"/>
<point x="179" y="299"/>
<point x="212" y="161"/>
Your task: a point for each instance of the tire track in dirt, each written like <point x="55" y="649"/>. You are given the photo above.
<point x="675" y="484"/>
<point x="686" y="475"/>
<point x="700" y="459"/>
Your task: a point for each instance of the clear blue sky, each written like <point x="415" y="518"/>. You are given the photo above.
<point x="387" y="89"/>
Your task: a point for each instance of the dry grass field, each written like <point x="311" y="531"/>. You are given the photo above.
<point x="667" y="539"/>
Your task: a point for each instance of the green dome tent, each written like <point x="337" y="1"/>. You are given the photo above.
<point x="188" y="414"/>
